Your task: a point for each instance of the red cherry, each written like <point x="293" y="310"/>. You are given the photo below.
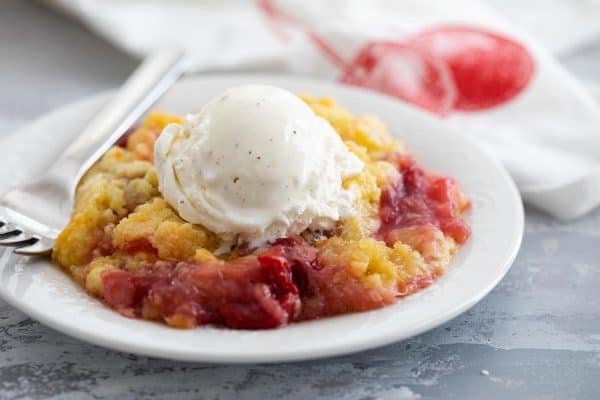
<point x="405" y="72"/>
<point x="488" y="69"/>
<point x="119" y="289"/>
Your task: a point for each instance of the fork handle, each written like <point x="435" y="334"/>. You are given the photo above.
<point x="148" y="82"/>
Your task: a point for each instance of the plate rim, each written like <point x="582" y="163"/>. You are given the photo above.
<point x="358" y="345"/>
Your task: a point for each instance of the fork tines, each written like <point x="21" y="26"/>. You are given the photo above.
<point x="24" y="243"/>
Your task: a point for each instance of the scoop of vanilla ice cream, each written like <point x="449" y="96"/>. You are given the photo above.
<point x="255" y="164"/>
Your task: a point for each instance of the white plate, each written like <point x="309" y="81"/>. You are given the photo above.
<point x="44" y="292"/>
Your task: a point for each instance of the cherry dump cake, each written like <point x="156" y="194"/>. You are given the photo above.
<point x="161" y="239"/>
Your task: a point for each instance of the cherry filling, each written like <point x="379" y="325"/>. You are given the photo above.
<point x="418" y="198"/>
<point x="254" y="292"/>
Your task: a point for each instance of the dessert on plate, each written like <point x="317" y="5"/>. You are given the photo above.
<point x="261" y="209"/>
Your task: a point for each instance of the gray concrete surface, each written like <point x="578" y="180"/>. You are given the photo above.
<point x="536" y="336"/>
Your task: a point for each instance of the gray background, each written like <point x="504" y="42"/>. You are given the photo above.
<point x="536" y="336"/>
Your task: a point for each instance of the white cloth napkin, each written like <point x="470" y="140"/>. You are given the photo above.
<point x="459" y="59"/>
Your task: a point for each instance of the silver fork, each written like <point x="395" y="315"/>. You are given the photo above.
<point x="32" y="215"/>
